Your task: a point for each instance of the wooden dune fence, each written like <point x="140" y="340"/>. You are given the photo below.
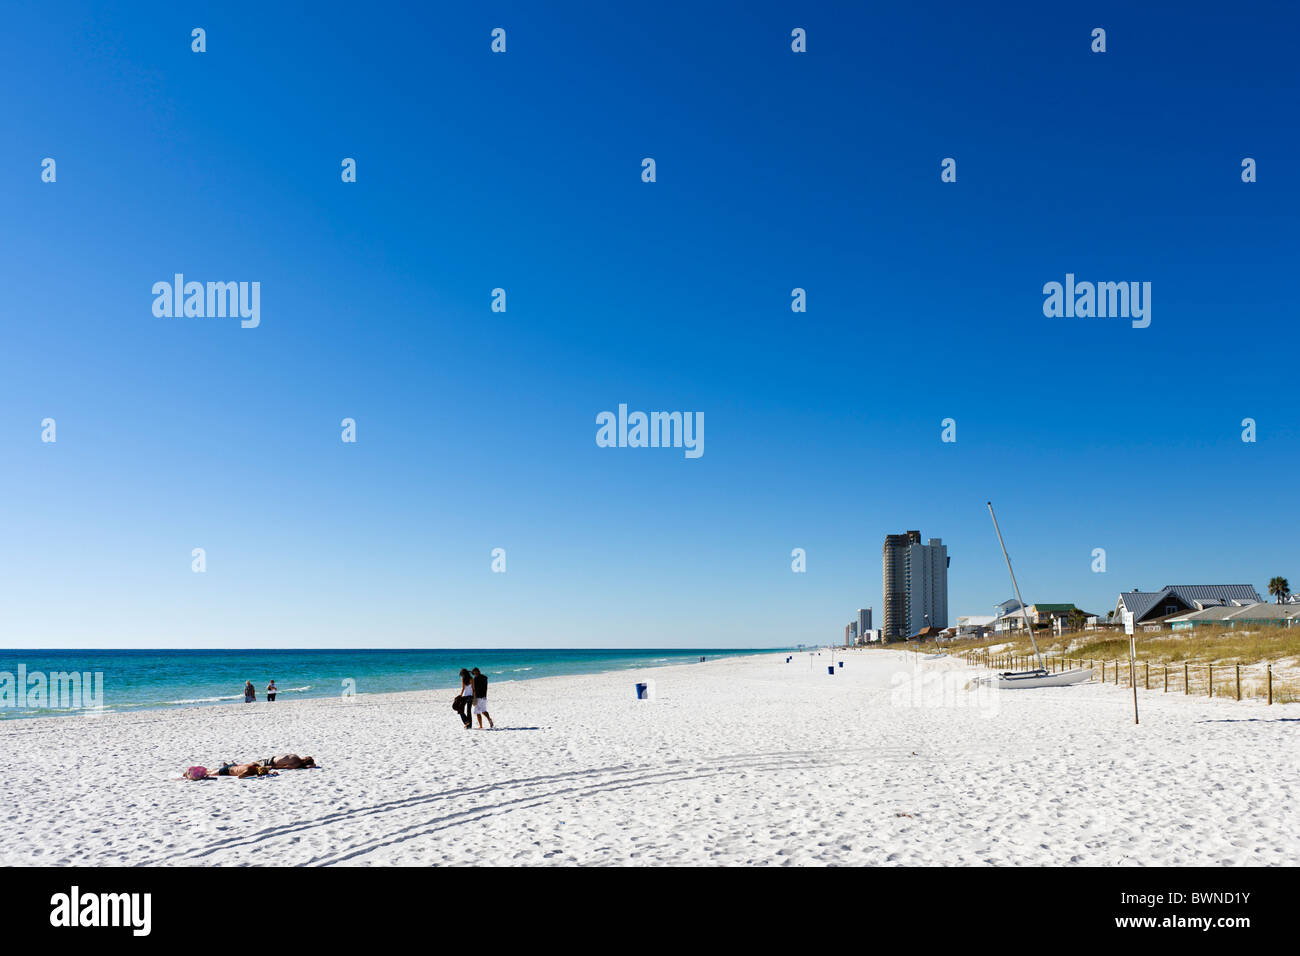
<point x="1233" y="681"/>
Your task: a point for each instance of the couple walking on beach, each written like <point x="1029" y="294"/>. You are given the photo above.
<point x="472" y="699"/>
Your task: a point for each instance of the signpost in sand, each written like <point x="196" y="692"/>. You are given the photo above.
<point x="1132" y="660"/>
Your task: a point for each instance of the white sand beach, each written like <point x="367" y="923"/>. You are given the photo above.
<point x="746" y="760"/>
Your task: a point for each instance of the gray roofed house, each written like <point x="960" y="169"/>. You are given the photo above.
<point x="1264" y="613"/>
<point x="1210" y="615"/>
<point x="1147" y="606"/>
<point x="1227" y="593"/>
<point x="1234" y="614"/>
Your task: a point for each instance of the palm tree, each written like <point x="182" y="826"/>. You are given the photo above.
<point x="1280" y="588"/>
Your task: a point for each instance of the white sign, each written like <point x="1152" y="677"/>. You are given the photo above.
<point x="1128" y="622"/>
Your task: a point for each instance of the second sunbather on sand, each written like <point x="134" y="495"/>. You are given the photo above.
<point x="262" y="768"/>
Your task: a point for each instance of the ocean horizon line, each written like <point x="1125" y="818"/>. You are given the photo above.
<point x="339" y="650"/>
<point x="58" y="681"/>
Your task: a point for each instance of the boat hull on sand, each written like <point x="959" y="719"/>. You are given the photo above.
<point x="1021" y="680"/>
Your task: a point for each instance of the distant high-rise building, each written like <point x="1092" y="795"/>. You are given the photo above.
<point x="864" y="621"/>
<point x="894" y="573"/>
<point x="915" y="579"/>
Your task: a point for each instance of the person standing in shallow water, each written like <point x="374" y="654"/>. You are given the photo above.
<point x="480" y="698"/>
<point x="271" y="691"/>
<point x="250" y="692"/>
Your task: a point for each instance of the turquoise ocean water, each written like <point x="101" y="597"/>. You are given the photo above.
<point x="146" y="679"/>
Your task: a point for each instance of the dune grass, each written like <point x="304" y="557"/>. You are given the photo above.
<point x="1190" y="652"/>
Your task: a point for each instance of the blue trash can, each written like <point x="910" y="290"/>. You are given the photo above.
<point x="841" y="663"/>
<point x="642" y="692"/>
<point x="831" y="671"/>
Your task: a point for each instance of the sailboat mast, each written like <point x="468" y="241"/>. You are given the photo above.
<point x="1016" y="587"/>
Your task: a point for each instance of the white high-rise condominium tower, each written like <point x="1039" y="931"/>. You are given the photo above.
<point x="915" y="579"/>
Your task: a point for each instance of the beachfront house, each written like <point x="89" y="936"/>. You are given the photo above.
<point x="1039" y="615"/>
<point x="1011" y="621"/>
<point x="1175" y="600"/>
<point x="1236" y="615"/>
<point x="974" y="625"/>
<point x="1005" y="608"/>
<point x="1062" y="615"/>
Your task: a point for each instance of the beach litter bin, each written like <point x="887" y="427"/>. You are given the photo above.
<point x="831" y="670"/>
<point x="645" y="690"/>
<point x="841" y="663"/>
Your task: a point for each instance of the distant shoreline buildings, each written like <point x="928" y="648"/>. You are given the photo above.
<point x="914" y="577"/>
<point x="914" y="582"/>
<point x="860" y="631"/>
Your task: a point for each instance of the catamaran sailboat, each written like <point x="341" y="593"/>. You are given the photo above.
<point x="1039" y="676"/>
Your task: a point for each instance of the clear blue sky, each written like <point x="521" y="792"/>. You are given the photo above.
<point x="476" y="430"/>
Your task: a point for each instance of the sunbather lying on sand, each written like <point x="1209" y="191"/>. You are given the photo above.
<point x="242" y="770"/>
<point x="290" y="762"/>
<point x="267" y="767"/>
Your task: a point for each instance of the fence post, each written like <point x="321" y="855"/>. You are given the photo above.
<point x="1270" y="683"/>
<point x="1103" y="672"/>
<point x="1166" y="690"/>
<point x="1186" y="689"/>
<point x="1210" y="689"/>
<point x="1238" y="682"/>
<point x="1116" y="663"/>
<point x="1146" y="675"/>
